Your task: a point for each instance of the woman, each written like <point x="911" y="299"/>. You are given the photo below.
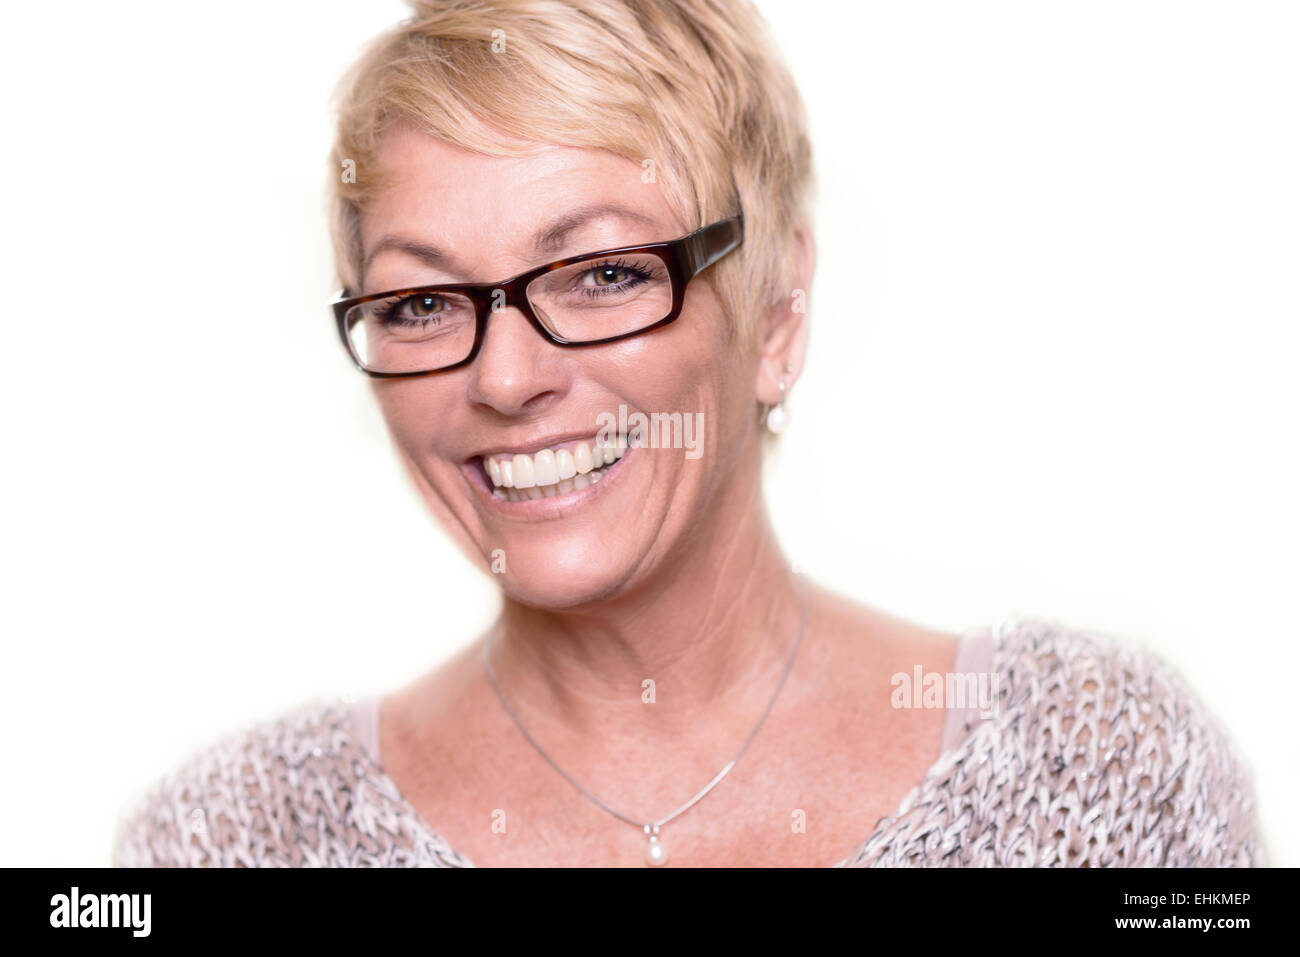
<point x="573" y="239"/>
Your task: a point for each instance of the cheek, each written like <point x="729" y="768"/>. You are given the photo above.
<point x="408" y="409"/>
<point x="681" y="368"/>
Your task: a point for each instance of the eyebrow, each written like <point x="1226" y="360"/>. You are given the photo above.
<point x="550" y="238"/>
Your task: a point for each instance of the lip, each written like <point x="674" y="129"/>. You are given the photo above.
<point x="557" y="506"/>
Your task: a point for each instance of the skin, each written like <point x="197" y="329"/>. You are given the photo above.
<point x="671" y="573"/>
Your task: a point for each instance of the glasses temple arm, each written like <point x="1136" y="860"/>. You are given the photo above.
<point x="708" y="245"/>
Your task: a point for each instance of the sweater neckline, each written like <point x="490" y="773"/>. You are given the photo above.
<point x="425" y="831"/>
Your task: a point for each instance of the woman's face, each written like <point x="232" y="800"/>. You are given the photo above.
<point x="492" y="218"/>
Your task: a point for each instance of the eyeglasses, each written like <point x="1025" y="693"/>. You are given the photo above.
<point x="580" y="301"/>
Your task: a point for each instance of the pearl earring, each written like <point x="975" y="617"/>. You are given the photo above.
<point x="778" y="417"/>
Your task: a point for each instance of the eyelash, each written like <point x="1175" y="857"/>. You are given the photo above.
<point x="638" y="276"/>
<point x="385" y="314"/>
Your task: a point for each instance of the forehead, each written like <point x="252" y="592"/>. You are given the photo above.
<point x="488" y="210"/>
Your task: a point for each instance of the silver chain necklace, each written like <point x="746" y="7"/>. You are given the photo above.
<point x="656" y="854"/>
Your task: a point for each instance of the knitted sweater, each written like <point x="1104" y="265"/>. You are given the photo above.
<point x="1096" y="755"/>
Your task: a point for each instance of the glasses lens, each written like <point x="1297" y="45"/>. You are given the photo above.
<point x="603" y="297"/>
<point x="417" y="333"/>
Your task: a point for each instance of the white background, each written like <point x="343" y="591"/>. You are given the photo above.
<point x="1053" y="366"/>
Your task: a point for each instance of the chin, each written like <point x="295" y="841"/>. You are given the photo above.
<point x="546" y="576"/>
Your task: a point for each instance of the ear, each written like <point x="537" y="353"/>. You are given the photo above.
<point x="786" y="335"/>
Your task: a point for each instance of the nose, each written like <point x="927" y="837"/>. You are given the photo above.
<point x="516" y="371"/>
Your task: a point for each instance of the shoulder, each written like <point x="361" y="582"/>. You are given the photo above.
<point x="299" y="789"/>
<point x="1135" y="769"/>
<point x="1097" y="754"/>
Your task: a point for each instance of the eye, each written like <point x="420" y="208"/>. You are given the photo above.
<point x="421" y="306"/>
<point x="610" y="275"/>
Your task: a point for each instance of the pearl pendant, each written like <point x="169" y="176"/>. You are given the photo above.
<point x="656" y="854"/>
<point x="777" y="418"/>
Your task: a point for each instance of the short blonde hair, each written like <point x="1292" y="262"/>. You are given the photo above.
<point x="692" y="86"/>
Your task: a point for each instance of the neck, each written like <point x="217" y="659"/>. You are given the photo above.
<point x="713" y="630"/>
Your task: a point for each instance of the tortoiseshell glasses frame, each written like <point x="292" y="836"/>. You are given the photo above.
<point x="683" y="260"/>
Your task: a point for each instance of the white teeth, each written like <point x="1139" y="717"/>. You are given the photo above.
<point x="582" y="458"/>
<point x="551" y="466"/>
<point x="523" y="471"/>
<point x="608" y="454"/>
<point x="564" y="466"/>
<point x="551" y="472"/>
<point x="563" y="487"/>
<point x="544" y="471"/>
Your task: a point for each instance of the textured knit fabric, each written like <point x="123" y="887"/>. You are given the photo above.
<point x="1097" y="755"/>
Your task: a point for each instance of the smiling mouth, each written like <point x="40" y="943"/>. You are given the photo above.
<point x="552" y="471"/>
